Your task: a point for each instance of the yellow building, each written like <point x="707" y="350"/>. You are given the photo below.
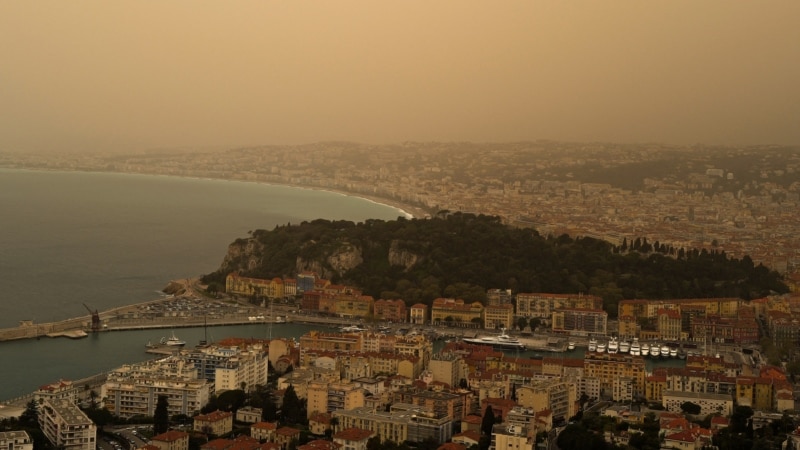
<point x="235" y="284"/>
<point x="498" y="316"/>
<point x="669" y="324"/>
<point x="556" y="395"/>
<point x="455" y="312"/>
<point x="324" y="397"/>
<point x="354" y="305"/>
<point x="330" y="342"/>
<point x="607" y="367"/>
<point x="515" y="437"/>
<point x="171" y="440"/>
<point x="216" y="423"/>
<point x="542" y="305"/>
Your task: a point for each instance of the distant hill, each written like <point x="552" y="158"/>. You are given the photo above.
<point x="462" y="255"/>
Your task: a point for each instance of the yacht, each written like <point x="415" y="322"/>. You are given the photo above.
<point x="655" y="350"/>
<point x="682" y="353"/>
<point x="172" y="341"/>
<point x="613" y="346"/>
<point x="624" y="346"/>
<point x="645" y="350"/>
<point x="636" y="349"/>
<point x="592" y="345"/>
<point x="503" y="341"/>
<point x="601" y="347"/>
<point x="664" y="351"/>
<point x="352" y="329"/>
<point x="570" y="345"/>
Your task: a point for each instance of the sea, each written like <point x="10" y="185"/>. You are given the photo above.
<point x="71" y="242"/>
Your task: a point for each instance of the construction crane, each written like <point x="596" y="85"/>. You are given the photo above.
<point x="95" y="318"/>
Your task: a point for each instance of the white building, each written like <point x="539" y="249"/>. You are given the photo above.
<point x="66" y="426"/>
<point x="15" y="440"/>
<point x="248" y="369"/>
<point x="134" y="389"/>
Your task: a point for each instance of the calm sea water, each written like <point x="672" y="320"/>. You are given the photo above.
<point x="104" y="240"/>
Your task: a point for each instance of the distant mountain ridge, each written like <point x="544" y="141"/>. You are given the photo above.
<point x="462" y="255"/>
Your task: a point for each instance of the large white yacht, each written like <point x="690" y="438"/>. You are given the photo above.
<point x="592" y="345"/>
<point x="624" y="346"/>
<point x="613" y="346"/>
<point x="636" y="349"/>
<point x="503" y="341"/>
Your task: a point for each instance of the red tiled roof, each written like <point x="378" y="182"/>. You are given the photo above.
<point x="170" y="436"/>
<point x="353" y="434"/>
<point x="265" y="425"/>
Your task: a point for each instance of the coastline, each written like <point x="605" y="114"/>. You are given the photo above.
<point x="408" y="210"/>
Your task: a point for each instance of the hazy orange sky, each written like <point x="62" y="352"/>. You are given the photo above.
<point x="124" y="74"/>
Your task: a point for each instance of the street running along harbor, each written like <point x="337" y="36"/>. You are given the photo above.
<point x="182" y="306"/>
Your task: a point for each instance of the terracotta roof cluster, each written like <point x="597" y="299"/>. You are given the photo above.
<point x="353" y="434"/>
<point x="170" y="436"/>
<point x="213" y="416"/>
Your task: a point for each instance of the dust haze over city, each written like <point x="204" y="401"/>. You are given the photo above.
<point x="121" y="76"/>
<point x="419" y="214"/>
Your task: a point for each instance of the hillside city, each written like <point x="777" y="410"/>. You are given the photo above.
<point x="524" y="370"/>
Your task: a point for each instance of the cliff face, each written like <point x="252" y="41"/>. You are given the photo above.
<point x="243" y="255"/>
<point x="400" y="257"/>
<point x="337" y="262"/>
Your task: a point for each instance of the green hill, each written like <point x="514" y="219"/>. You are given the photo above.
<point x="462" y="255"/>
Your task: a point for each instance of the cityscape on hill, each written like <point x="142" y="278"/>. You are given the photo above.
<point x="741" y="200"/>
<point x="469" y="370"/>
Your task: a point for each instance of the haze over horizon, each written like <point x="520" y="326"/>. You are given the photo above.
<point x="132" y="75"/>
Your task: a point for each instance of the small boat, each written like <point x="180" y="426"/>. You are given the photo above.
<point x="592" y="345"/>
<point x="570" y="345"/>
<point x="280" y="319"/>
<point x="624" y="346"/>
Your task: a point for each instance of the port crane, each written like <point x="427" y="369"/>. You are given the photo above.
<point x="95" y="318"/>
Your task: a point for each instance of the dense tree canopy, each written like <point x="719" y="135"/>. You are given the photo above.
<point x="462" y="255"/>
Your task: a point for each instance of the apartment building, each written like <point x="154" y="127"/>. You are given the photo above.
<point x="557" y="395"/>
<point x="133" y="390"/>
<point x="62" y="389"/>
<point x="171" y="440"/>
<point x="245" y="370"/>
<point x="15" y="440"/>
<point x="264" y="431"/>
<point x="542" y="305"/>
<point x="498" y="316"/>
<point x="401" y="423"/>
<point x="709" y="403"/>
<point x="236" y="284"/>
<point x="352" y="438"/>
<point x="330" y="342"/>
<point x="390" y="310"/>
<point x="354" y="306"/>
<point x="515" y="437"/>
<point x="438" y="403"/>
<point x="418" y="314"/>
<point x="448" y="367"/>
<point x="216" y="423"/>
<point x="608" y="367"/>
<point x="669" y="324"/>
<point x="579" y="321"/>
<point x="66" y="426"/>
<point x="454" y="312"/>
<point x="327" y="397"/>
